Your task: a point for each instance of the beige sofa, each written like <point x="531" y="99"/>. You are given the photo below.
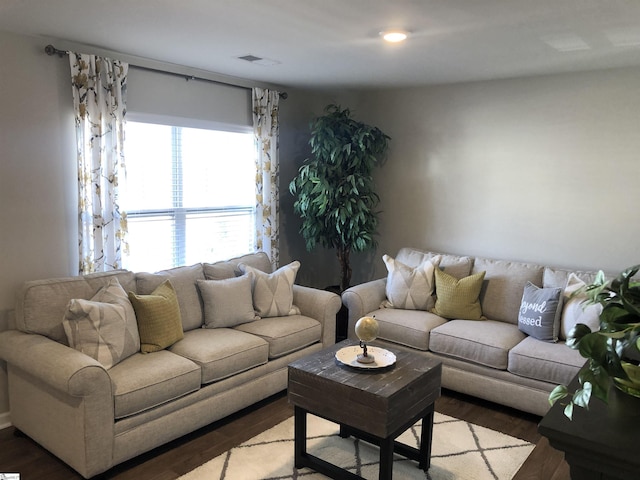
<point x="491" y="358"/>
<point x="93" y="418"/>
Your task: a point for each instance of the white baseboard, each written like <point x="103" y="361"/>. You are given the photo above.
<point x="5" y="420"/>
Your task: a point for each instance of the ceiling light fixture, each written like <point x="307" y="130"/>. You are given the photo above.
<point x="394" y="35"/>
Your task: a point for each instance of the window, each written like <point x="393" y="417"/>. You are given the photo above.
<point x="189" y="195"/>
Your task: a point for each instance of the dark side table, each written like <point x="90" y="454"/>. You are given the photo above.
<point x="601" y="443"/>
<point x="374" y="405"/>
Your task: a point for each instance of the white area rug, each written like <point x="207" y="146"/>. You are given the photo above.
<point x="460" y="451"/>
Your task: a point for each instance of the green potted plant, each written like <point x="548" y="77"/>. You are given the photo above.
<point x="613" y="352"/>
<point x="334" y="188"/>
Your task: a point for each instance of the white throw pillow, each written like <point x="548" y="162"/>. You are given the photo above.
<point x="273" y="292"/>
<point x="103" y="327"/>
<point x="576" y="311"/>
<point x="410" y="288"/>
<point x="228" y="302"/>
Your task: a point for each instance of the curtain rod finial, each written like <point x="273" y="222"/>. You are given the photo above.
<point x="284" y="95"/>
<point x="51" y="50"/>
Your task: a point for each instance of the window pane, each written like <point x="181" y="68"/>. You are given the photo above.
<point x="214" y="164"/>
<point x="148" y="158"/>
<point x="151" y="245"/>
<point x="189" y="196"/>
<point x="218" y="235"/>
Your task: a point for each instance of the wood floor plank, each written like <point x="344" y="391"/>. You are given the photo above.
<point x="20" y="454"/>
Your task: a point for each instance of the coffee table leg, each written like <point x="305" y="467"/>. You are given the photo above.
<point x="426" y="437"/>
<point x="300" y="436"/>
<point x="386" y="459"/>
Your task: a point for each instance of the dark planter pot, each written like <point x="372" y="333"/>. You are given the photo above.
<point x="342" y="317"/>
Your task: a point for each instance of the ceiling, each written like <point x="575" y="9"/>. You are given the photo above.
<point x="336" y="43"/>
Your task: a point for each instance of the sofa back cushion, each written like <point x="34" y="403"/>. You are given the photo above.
<point x="229" y="268"/>
<point x="455" y="265"/>
<point x="558" y="278"/>
<point x="504" y="284"/>
<point x="41" y="304"/>
<point x="183" y="280"/>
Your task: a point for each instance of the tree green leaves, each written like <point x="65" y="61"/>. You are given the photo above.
<point x="334" y="188"/>
<point x="617" y="340"/>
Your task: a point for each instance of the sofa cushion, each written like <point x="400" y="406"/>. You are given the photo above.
<point x="104" y="327"/>
<point x="458" y="298"/>
<point x="142" y="382"/>
<point x="221" y="352"/>
<point x="550" y="362"/>
<point x="158" y="316"/>
<point x="229" y="268"/>
<point x="485" y="343"/>
<point x="285" y="334"/>
<point x="406" y="327"/>
<point x="503" y="286"/>
<point x="575" y="310"/>
<point x="184" y="281"/>
<point x="227" y="302"/>
<point x="557" y="277"/>
<point x="458" y="266"/>
<point x="273" y="292"/>
<point x="410" y="288"/>
<point x="540" y="312"/>
<point x="41" y="304"/>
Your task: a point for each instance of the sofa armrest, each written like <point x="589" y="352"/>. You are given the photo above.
<point x="59" y="366"/>
<point x="363" y="299"/>
<point x="56" y="392"/>
<point x="320" y="305"/>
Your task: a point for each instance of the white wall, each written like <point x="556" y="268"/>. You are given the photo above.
<point x="542" y="169"/>
<point x="37" y="173"/>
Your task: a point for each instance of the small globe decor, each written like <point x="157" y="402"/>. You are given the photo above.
<point x="367" y="331"/>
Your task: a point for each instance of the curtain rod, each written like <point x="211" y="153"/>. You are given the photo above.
<point x="51" y="50"/>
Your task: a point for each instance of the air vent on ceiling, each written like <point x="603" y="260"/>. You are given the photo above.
<point x="265" y="62"/>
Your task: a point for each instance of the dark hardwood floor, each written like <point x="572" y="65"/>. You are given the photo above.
<point x="20" y="454"/>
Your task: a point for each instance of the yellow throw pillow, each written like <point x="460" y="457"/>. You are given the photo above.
<point x="458" y="298"/>
<point x="158" y="316"/>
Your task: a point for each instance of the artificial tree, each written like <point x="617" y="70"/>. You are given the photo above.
<point x="334" y="188"/>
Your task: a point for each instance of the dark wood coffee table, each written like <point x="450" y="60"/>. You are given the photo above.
<point x="374" y="405"/>
<point x="601" y="443"/>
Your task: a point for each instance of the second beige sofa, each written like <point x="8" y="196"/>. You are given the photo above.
<point x="491" y="358"/>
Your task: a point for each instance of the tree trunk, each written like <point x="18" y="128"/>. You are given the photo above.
<point x="345" y="267"/>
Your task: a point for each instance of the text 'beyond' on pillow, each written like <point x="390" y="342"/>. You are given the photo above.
<point x="540" y="312"/>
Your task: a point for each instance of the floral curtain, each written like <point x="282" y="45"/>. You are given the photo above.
<point x="99" y="91"/>
<point x="265" y="127"/>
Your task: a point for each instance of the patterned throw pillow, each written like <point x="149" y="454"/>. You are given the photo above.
<point x="228" y="302"/>
<point x="273" y="292"/>
<point x="158" y="316"/>
<point x="575" y="310"/>
<point x="410" y="288"/>
<point x="540" y="312"/>
<point x="458" y="299"/>
<point x="104" y="327"/>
